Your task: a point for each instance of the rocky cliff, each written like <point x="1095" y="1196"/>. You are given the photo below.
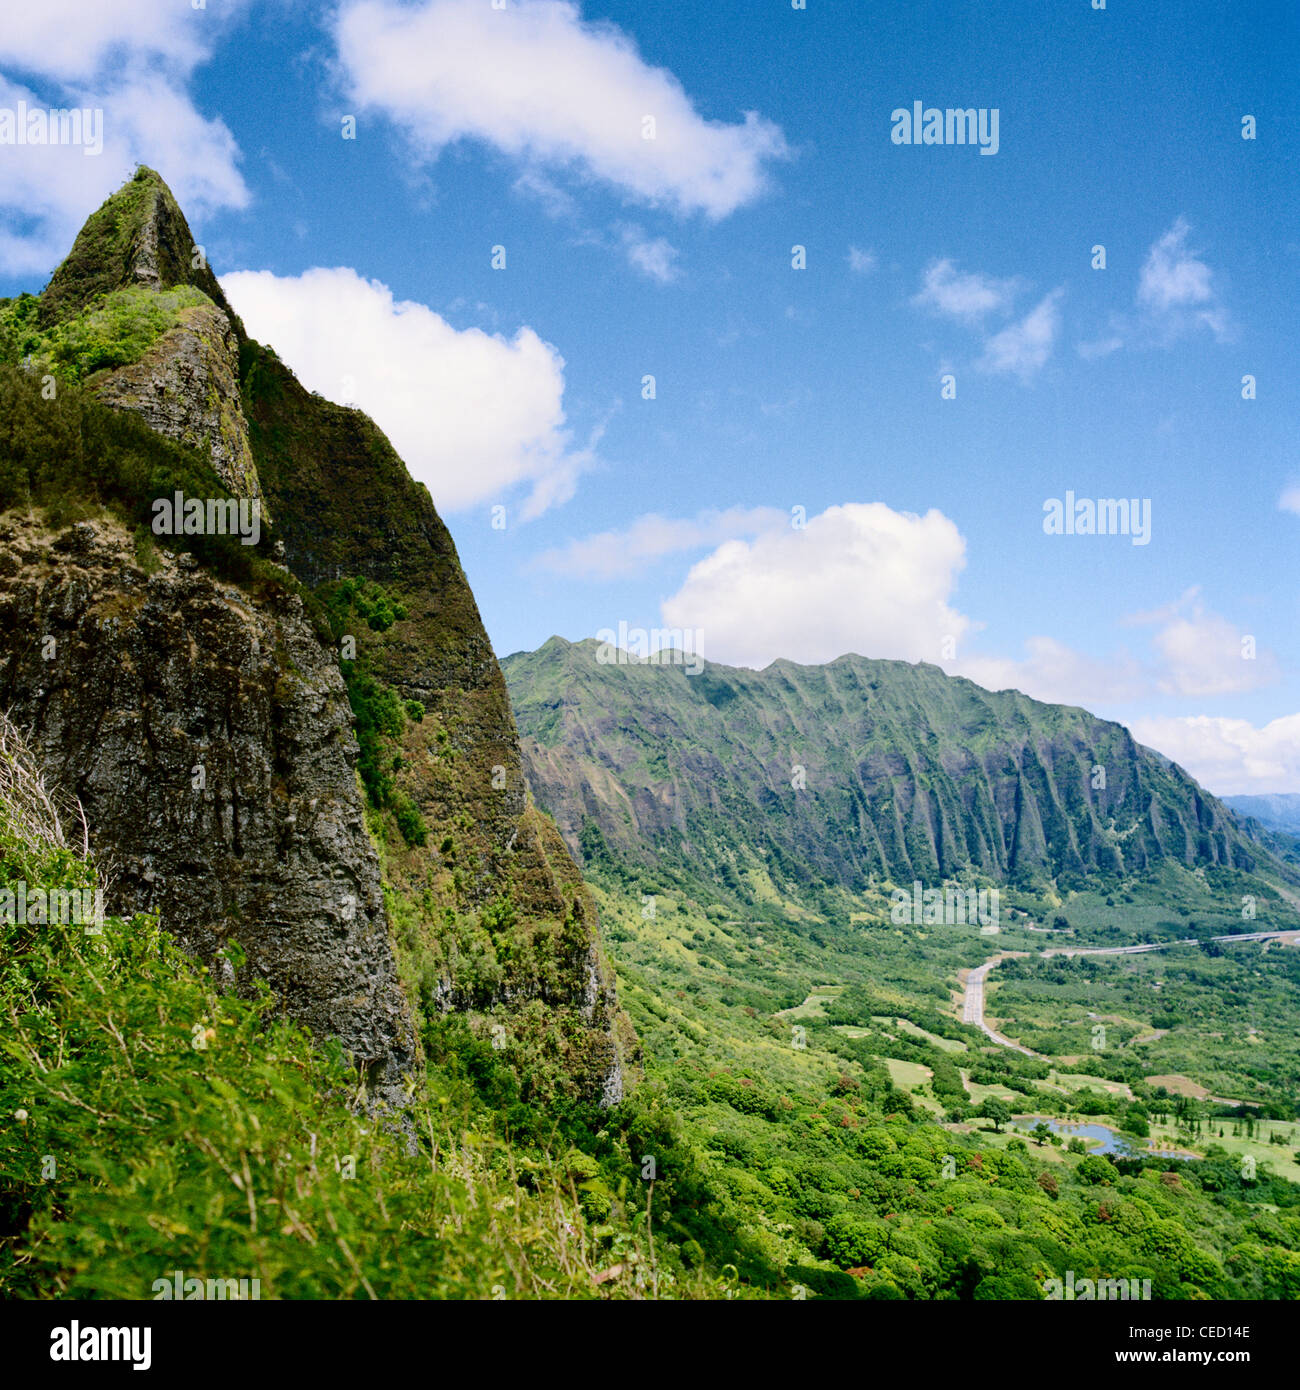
<point x="304" y="746"/>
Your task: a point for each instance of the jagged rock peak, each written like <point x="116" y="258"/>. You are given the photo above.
<point x="138" y="236"/>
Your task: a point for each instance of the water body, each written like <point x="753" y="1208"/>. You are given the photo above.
<point x="1101" y="1139"/>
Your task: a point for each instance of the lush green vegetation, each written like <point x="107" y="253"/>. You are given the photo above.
<point x="149" y="1123"/>
<point x="73" y="458"/>
<point x="855" y="1123"/>
<point x="814" y="1043"/>
<point x="116" y="329"/>
<point x="381" y="713"/>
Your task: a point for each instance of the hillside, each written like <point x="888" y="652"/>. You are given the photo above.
<point x="1280" y="811"/>
<point x="875" y="1138"/>
<point x="851" y="774"/>
<point x="199" y="695"/>
<point x="350" y="1026"/>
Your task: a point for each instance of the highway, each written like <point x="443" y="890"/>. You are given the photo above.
<point x="973" y="1005"/>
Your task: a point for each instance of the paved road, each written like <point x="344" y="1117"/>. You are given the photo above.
<point x="973" y="1007"/>
<point x="973" y="1011"/>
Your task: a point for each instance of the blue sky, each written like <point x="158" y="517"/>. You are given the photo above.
<point x="368" y="263"/>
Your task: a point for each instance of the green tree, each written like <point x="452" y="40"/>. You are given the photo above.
<point x="996" y="1110"/>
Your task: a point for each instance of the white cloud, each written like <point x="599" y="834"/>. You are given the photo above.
<point x="1023" y="347"/>
<point x="612" y="554"/>
<point x="654" y="258"/>
<point x="132" y="60"/>
<point x="538" y="83"/>
<point x="858" y="578"/>
<point x="949" y="291"/>
<point x="861" y="262"/>
<point x="1290" y="499"/>
<point x="1172" y="276"/>
<point x="555" y="201"/>
<point x="1100" y="347"/>
<point x="1177" y="293"/>
<point x="72" y="41"/>
<point x="1203" y="655"/>
<point x="1176" y="287"/>
<point x="474" y="415"/>
<point x="1193" y="653"/>
<point x="1201" y="652"/>
<point x="1053" y="672"/>
<point x="1231" y="757"/>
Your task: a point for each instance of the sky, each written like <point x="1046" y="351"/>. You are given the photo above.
<point x="683" y="331"/>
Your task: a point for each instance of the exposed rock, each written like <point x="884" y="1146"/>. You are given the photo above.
<point x="158" y="675"/>
<point x="139" y="236"/>
<point x="209" y="738"/>
<point x="187" y="388"/>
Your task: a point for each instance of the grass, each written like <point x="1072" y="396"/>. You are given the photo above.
<point x="1081" y="1081"/>
<point x="905" y="1025"/>
<point x="814" y="1006"/>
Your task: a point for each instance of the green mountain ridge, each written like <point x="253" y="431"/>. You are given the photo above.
<point x="352" y="1027"/>
<point x="1278" y="811"/>
<point x="853" y="773"/>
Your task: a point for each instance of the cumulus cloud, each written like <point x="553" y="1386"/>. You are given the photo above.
<point x="1058" y="674"/>
<point x="1022" y="348"/>
<point x="613" y="554"/>
<point x="1290" y="500"/>
<point x="540" y="84"/>
<point x="857" y="578"/>
<point x="474" y="415"/>
<point x="1231" y="757"/>
<point x="133" y="60"/>
<point x="1201" y="652"/>
<point x="960" y="295"/>
<point x="655" y="258"/>
<point x="861" y="262"/>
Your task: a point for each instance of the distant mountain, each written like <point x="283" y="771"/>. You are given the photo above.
<point x="848" y="773"/>
<point x="1277" y="812"/>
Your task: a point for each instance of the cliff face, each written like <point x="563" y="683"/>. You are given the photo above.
<point x="430" y="867"/>
<point x="186" y="387"/>
<point x="209" y="738"/>
<point x="855" y="769"/>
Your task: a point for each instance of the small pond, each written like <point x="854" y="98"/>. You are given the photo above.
<point x="1101" y="1139"/>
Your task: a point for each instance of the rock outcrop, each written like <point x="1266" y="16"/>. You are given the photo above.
<point x="208" y="737"/>
<point x="187" y="387"/>
<point x="374" y="888"/>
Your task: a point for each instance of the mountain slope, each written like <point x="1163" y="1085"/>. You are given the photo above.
<point x="360" y="823"/>
<point x="1280" y="811"/>
<point x="852" y="773"/>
